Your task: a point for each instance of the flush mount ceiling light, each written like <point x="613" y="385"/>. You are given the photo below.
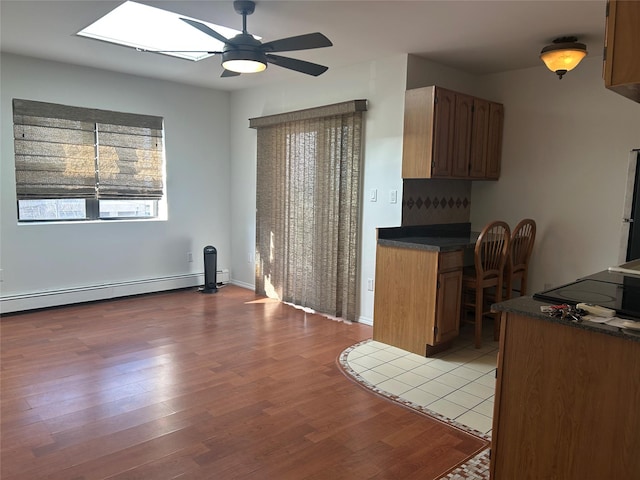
<point x="563" y="55"/>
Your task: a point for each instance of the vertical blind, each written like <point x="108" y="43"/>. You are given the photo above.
<point x="72" y="152"/>
<point x="308" y="207"/>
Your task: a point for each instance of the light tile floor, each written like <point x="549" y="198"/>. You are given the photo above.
<point x="458" y="383"/>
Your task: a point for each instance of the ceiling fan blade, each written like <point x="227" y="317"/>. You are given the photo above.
<point x="300" y="42"/>
<point x="228" y="73"/>
<point x="297" y="65"/>
<point x="208" y="30"/>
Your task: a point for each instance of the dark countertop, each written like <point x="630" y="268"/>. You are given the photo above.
<point x="438" y="238"/>
<point x="530" y="307"/>
<point x="437" y="244"/>
<point x="449" y="237"/>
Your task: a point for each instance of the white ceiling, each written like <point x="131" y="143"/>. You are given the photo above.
<point x="476" y="36"/>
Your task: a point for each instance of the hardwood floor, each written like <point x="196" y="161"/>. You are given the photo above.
<point x="194" y="386"/>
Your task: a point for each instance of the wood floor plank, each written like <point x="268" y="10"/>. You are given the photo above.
<point x="193" y="386"/>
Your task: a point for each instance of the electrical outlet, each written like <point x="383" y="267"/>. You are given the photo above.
<point x="189" y="257"/>
<point x="250" y="257"/>
<point x="370" y="284"/>
<point x="393" y="196"/>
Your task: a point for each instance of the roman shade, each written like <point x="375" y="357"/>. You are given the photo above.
<point x="72" y="152"/>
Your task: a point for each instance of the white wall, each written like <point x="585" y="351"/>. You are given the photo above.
<point x="211" y="200"/>
<point x="564" y="164"/>
<point x="44" y="257"/>
<point x="565" y="158"/>
<point x="425" y="73"/>
<point x="382" y="83"/>
<point x="566" y="152"/>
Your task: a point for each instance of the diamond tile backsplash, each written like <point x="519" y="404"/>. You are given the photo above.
<point x="434" y="201"/>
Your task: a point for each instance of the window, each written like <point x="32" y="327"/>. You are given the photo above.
<point x="77" y="163"/>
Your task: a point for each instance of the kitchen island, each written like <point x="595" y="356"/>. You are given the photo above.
<point x="567" y="403"/>
<point x="418" y="288"/>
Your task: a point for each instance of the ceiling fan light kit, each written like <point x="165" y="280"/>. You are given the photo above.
<point x="246" y="54"/>
<point x="563" y="55"/>
<point x="243" y="65"/>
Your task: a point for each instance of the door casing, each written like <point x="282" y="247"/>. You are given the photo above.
<point x="630" y="237"/>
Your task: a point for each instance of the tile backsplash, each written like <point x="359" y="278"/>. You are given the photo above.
<point x="434" y="201"/>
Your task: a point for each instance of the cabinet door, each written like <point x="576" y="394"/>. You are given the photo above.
<point x="622" y="48"/>
<point x="494" y="145"/>
<point x="479" y="139"/>
<point x="448" y="306"/>
<point x="462" y="135"/>
<point x="443" y="132"/>
<point x="417" y="138"/>
<point x="450" y="135"/>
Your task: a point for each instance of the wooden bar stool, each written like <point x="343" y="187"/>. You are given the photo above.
<point x="522" y="239"/>
<point x="490" y="256"/>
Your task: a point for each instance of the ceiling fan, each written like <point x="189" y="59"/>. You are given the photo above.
<point x="245" y="54"/>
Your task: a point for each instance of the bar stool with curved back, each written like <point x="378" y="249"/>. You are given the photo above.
<point x="490" y="256"/>
<point x="522" y="239"/>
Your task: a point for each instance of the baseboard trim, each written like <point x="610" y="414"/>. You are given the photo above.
<point x="248" y="286"/>
<point x="92" y="293"/>
<point x="89" y="293"/>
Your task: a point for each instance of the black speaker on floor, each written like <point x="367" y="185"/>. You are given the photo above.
<point x="210" y="270"/>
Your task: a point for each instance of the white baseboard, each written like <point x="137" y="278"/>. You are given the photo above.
<point x="54" y="298"/>
<point x="366" y="320"/>
<point x="243" y="284"/>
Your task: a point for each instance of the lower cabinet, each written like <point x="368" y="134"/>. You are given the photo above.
<point x="447" y="324"/>
<point x="417" y="298"/>
<point x="566" y="403"/>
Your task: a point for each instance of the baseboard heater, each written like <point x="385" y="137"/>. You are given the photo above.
<point x="67" y="296"/>
<point x="222" y="276"/>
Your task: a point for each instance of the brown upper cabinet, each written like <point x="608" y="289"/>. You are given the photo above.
<point x="622" y="48"/>
<point x="451" y="135"/>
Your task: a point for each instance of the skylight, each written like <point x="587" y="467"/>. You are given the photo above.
<point x="153" y="29"/>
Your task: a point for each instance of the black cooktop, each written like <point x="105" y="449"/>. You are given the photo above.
<point x="623" y="296"/>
